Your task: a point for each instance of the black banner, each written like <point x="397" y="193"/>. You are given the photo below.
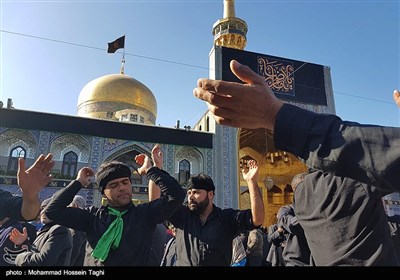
<point x="289" y="79"/>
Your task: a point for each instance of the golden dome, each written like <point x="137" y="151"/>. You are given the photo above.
<point x="107" y="96"/>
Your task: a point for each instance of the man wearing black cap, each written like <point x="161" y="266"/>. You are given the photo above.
<point x="120" y="233"/>
<point x="204" y="232"/>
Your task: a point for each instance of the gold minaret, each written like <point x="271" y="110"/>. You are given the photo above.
<point x="230" y="31"/>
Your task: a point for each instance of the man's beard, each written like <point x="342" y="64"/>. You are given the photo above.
<point x="201" y="206"/>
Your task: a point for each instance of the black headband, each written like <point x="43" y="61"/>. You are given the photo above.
<point x="202" y="182"/>
<point x="114" y="172"/>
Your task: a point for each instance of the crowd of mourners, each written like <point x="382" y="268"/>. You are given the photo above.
<point x="337" y="217"/>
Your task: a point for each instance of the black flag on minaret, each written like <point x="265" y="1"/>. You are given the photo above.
<point x="117" y="44"/>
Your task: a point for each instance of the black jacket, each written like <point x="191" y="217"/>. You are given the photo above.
<point x="339" y="205"/>
<point x="52" y="247"/>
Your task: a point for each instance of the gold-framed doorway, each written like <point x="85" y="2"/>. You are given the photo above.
<point x="276" y="170"/>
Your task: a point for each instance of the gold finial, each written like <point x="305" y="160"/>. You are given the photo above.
<point x="122" y="65"/>
<point x="230" y="31"/>
<point x="229" y="8"/>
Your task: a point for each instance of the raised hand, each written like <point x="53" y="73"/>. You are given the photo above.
<point x="85" y="175"/>
<point x="145" y="163"/>
<point x="396" y="97"/>
<point x="157" y="156"/>
<point x="248" y="105"/>
<point x="32" y="180"/>
<point x="251" y="174"/>
<point x="18" y="237"/>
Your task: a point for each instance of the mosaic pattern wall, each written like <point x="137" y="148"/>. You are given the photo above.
<point x="91" y="151"/>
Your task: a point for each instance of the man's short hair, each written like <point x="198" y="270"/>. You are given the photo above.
<point x="79" y="201"/>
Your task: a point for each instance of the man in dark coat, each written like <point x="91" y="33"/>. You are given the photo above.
<point x="52" y="246"/>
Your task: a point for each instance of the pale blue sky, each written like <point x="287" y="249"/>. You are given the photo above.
<point x="49" y="50"/>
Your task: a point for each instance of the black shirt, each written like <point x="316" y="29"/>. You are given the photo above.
<point x="339" y="203"/>
<point x="208" y="244"/>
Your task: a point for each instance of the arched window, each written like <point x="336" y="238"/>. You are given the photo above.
<point x="70" y="164"/>
<point x="274" y="195"/>
<point x="15" y="154"/>
<point x="207" y="123"/>
<point x="184" y="171"/>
